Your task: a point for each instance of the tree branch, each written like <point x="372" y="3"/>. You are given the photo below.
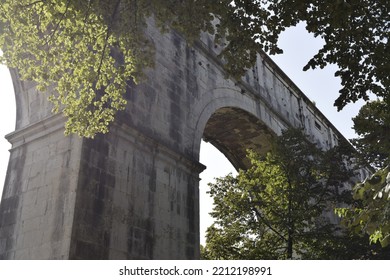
<point x="260" y="217"/>
<point x="109" y="29"/>
<point x="51" y="36"/>
<point x="31" y="4"/>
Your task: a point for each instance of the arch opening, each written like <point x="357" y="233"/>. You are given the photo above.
<point x="8" y="117"/>
<point x="228" y="134"/>
<point x="233" y="131"/>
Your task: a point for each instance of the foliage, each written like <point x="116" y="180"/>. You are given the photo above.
<point x="87" y="51"/>
<point x="372" y="125"/>
<point x="371" y="212"/>
<point x="279" y="208"/>
<point x="72" y="46"/>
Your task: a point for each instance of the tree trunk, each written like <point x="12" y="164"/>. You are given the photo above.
<point x="290" y="223"/>
<point x="290" y="244"/>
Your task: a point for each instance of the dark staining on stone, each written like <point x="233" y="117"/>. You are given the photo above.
<point x="130" y="233"/>
<point x="149" y="238"/>
<point x="175" y="114"/>
<point x="191" y="205"/>
<point x="7" y="210"/>
<point x="124" y="118"/>
<point x="190" y="252"/>
<point x="151" y="200"/>
<point x="178" y="209"/>
<point x="88" y="251"/>
<point x="150" y="95"/>
<point x="8" y="254"/>
<point x="6" y="231"/>
<point x="191" y="238"/>
<point x="109" y="180"/>
<point x="9" y="206"/>
<point x="63" y="191"/>
<point x="137" y="233"/>
<point x="93" y="217"/>
<point x="66" y="159"/>
<point x="98" y="207"/>
<point x="152" y="180"/>
<point x="190" y="78"/>
<point x="140" y="229"/>
<point x="140" y="240"/>
<point x="149" y="246"/>
<point x="100" y="188"/>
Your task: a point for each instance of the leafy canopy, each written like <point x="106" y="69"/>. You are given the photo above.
<point x="372" y="125"/>
<point x="370" y="212"/>
<point x="276" y="208"/>
<point x="72" y="46"/>
<point x="87" y="51"/>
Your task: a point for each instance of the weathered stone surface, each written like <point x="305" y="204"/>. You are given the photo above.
<point x="133" y="193"/>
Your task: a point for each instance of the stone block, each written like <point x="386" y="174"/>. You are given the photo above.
<point x="23" y="254"/>
<point x="3" y="243"/>
<point x="32" y="239"/>
<point x="42" y="252"/>
<point x="30" y="197"/>
<point x="33" y="210"/>
<point x="32" y="224"/>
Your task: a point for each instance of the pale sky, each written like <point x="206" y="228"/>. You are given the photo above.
<point x="319" y="85"/>
<point x="7" y="119"/>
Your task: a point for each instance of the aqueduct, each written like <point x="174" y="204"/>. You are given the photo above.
<point x="133" y="193"/>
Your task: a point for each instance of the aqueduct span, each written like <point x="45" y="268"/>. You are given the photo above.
<point x="133" y="193"/>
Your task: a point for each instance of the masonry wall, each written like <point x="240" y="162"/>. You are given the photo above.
<point x="39" y="194"/>
<point x="136" y="199"/>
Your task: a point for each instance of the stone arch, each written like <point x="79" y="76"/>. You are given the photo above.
<point x="31" y="106"/>
<point x="233" y="131"/>
<point x="8" y="118"/>
<point x="21" y="105"/>
<point x="233" y="123"/>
